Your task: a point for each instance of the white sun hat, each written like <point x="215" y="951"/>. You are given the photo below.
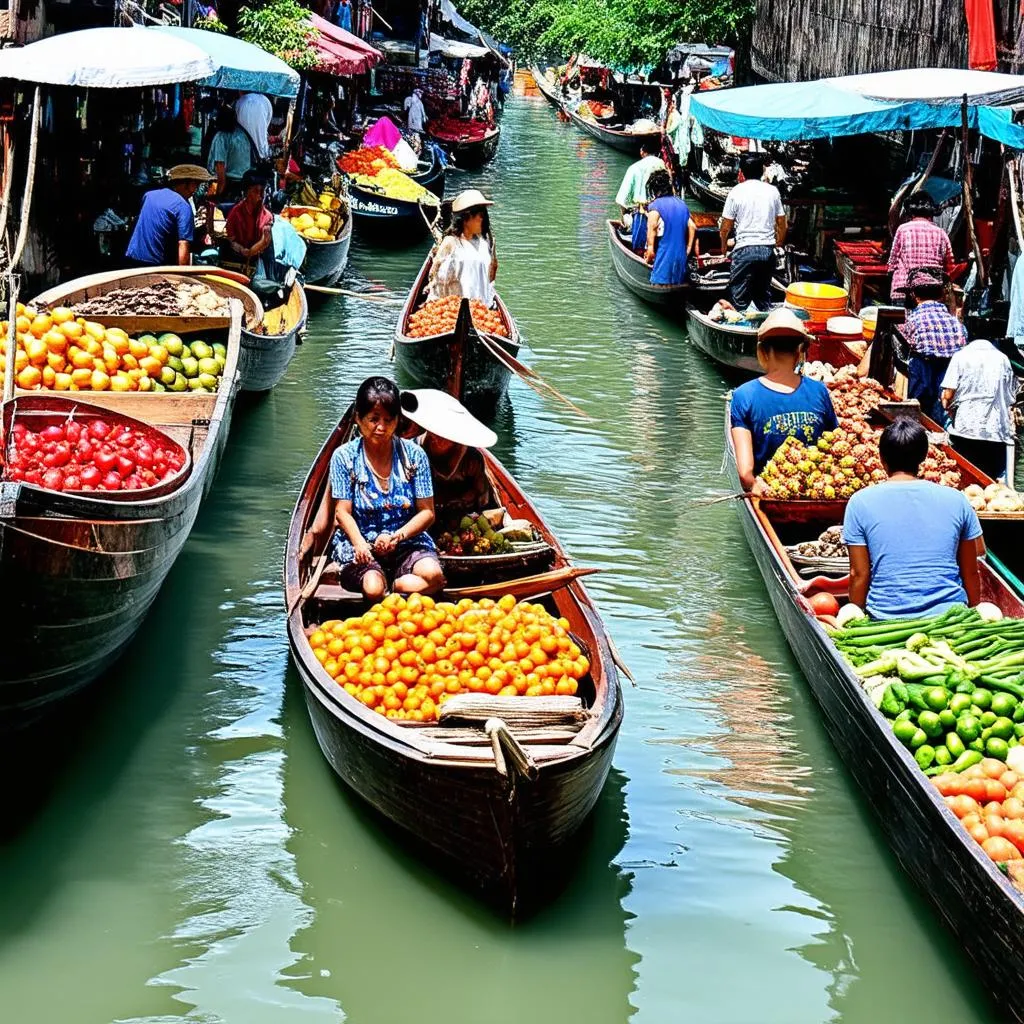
<point x="439" y="413"/>
<point x="470" y="198"/>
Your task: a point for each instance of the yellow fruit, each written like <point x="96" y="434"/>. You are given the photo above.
<point x="120" y="382"/>
<point x="62" y="315"/>
<point x="62" y="382"/>
<point x="82" y="378"/>
<point x="94" y="330"/>
<point x="100" y="381"/>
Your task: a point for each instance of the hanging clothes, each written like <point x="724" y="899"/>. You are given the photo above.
<point x="981" y="35"/>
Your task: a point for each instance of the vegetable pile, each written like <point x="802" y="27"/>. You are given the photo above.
<point x="367" y="160"/>
<point x="394" y="184"/>
<point x="186" y="298"/>
<point x="817" y="370"/>
<point x="828" y="545"/>
<point x="313" y="225"/>
<point x="440" y="315"/>
<point x="96" y="455"/>
<point x="836" y="467"/>
<point x="952" y="685"/>
<point x="475" y="536"/>
<point x="405" y="657"/>
<point x="454" y="129"/>
<point x="988" y="798"/>
<point x="58" y="352"/>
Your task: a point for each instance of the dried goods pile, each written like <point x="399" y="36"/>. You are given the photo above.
<point x="58" y="352"/>
<point x="165" y="298"/>
<point x="828" y="545"/>
<point x="816" y="370"/>
<point x="112" y="454"/>
<point x="405" y="657"/>
<point x="440" y="315"/>
<point x="994" y="498"/>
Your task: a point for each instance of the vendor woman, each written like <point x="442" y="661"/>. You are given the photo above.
<point x="913" y="544"/>
<point x="465" y="262"/>
<point x="781" y="404"/>
<point x="452" y="438"/>
<point x="383" y="503"/>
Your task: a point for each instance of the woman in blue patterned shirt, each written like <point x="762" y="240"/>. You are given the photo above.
<point x="384" y="502"/>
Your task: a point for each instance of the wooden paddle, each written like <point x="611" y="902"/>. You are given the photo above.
<point x="322" y="289"/>
<point x="705" y="502"/>
<point x="528" y="376"/>
<point x="313" y="582"/>
<point x="524" y="585"/>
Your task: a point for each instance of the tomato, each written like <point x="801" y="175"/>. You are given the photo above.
<point x="995" y="790"/>
<point x="978" y="832"/>
<point x="84" y="450"/>
<point x="1009" y="780"/>
<point x="52" y="434"/>
<point x="1014" y="831"/>
<point x="34" y="476"/>
<point x="992" y="807"/>
<point x="962" y="805"/>
<point x="60" y="456"/>
<point x="144" y="456"/>
<point x="29" y="442"/>
<point x="105" y="460"/>
<point x="976" y="789"/>
<point x="73" y="431"/>
<point x="947" y="785"/>
<point x="995" y="823"/>
<point x="111" y="482"/>
<point x="99" y="429"/>
<point x="992" y="768"/>
<point x="72" y="483"/>
<point x="90" y="476"/>
<point x="53" y="479"/>
<point x="1013" y="808"/>
<point x="125" y="465"/>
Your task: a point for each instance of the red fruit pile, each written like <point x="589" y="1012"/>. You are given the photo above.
<point x="91" y="456"/>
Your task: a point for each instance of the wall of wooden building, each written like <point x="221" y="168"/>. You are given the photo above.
<point x="797" y="40"/>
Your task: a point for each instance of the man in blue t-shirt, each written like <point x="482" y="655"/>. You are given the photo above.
<point x="163" y="232"/>
<point x="913" y="544"/>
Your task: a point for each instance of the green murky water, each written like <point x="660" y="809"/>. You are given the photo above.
<point x="184" y="852"/>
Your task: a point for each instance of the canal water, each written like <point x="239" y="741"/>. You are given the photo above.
<point x="181" y="851"/>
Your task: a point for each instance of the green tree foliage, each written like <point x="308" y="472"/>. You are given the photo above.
<point x="281" y="27"/>
<point x="623" y="33"/>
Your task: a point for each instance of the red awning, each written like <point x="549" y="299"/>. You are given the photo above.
<point x="341" y="52"/>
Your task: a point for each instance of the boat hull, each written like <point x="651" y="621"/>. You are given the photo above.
<point x="735" y="348"/>
<point x="547" y="90"/>
<point x="326" y="261"/>
<point x="263" y="358"/>
<point x="509" y="840"/>
<point x="469" y="154"/>
<point x="971" y="896"/>
<point x="624" y="142"/>
<point x="704" y="192"/>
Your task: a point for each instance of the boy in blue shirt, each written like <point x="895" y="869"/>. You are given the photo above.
<point x="913" y="544"/>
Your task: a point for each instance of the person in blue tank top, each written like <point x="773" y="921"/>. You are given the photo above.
<point x="913" y="544"/>
<point x="781" y="404"/>
<point x="671" y="232"/>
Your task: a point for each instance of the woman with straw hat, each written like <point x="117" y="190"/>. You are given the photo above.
<point x="452" y="438"/>
<point x="465" y="263"/>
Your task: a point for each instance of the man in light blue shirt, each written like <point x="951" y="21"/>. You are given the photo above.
<point x="913" y="544"/>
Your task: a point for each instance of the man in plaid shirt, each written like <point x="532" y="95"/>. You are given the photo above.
<point x="934" y="336"/>
<point x="918" y="243"/>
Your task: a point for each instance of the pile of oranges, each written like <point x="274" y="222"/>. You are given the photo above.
<point x="406" y="656"/>
<point x="439" y="316"/>
<point x="58" y="351"/>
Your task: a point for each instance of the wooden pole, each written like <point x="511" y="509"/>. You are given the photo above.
<point x="968" y="185"/>
<point x="13" y="285"/>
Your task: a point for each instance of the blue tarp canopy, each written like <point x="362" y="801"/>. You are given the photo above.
<point x="243" y="66"/>
<point x="858" y="104"/>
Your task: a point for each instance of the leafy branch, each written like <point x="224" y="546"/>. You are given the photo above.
<point x="281" y="27"/>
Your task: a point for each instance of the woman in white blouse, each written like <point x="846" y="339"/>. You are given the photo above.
<point x="465" y="263"/>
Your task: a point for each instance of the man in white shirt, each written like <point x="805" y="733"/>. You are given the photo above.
<point x="415" y="113"/>
<point x="979" y="390"/>
<point x="754" y="209"/>
<point x="633" y="191"/>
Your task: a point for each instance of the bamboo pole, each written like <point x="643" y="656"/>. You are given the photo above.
<point x="968" y="185"/>
<point x="13" y="285"/>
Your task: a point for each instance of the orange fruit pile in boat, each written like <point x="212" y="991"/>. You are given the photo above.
<point x="406" y="656"/>
<point x="439" y="316"/>
<point x="60" y="352"/>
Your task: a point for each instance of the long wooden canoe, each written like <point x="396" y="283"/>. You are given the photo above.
<point x="268" y="338"/>
<point x="548" y="89"/>
<point x="80" y="571"/>
<point x="457" y="362"/>
<point x="508" y="837"/>
<point x="702" y="289"/>
<point x="466" y="151"/>
<point x="975" y="900"/>
<point x="326" y="261"/>
<point x="617" y="138"/>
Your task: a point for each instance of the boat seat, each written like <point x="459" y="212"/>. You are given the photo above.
<point x="474" y="737"/>
<point x="335" y="593"/>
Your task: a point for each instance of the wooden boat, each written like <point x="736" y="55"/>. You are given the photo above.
<point x="617" y="138"/>
<point x="703" y="288"/>
<point x="509" y="837"/>
<point x="326" y="261"/>
<point x="548" y="89"/>
<point x="386" y="219"/>
<point x="268" y="338"/>
<point x="708" y="193"/>
<point x="971" y="895"/>
<point x="458" y="362"/>
<point x="466" y="153"/>
<point x="86" y="568"/>
<point x="733" y="346"/>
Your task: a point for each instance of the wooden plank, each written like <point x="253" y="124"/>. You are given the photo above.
<point x="162" y="324"/>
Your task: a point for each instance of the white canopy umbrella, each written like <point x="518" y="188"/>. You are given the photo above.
<point x="108" y="58"/>
<point x="936" y="85"/>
